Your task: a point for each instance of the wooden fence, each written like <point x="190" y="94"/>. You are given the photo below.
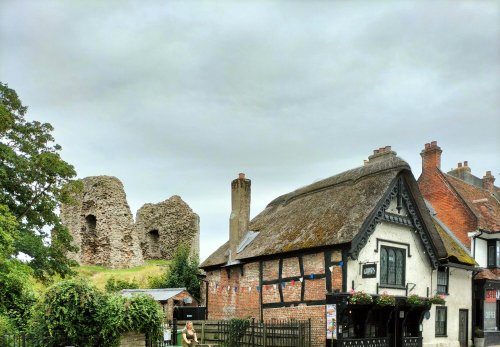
<point x="275" y="333"/>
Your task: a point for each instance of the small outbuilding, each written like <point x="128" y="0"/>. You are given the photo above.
<point x="169" y="298"/>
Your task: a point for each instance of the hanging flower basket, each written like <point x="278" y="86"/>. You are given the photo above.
<point x="385" y="300"/>
<point x="415" y="300"/>
<point x="438" y="299"/>
<point x="360" y="298"/>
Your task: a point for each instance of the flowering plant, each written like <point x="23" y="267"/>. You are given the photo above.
<point x="416" y="300"/>
<point x="385" y="300"/>
<point x="360" y="298"/>
<point x="438" y="299"/>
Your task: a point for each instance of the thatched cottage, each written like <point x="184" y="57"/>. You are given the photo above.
<point x="312" y="253"/>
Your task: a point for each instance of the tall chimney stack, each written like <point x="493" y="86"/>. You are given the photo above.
<point x="431" y="157"/>
<point x="240" y="212"/>
<point x="488" y="181"/>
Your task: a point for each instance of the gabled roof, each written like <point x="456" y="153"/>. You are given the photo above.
<point x="482" y="203"/>
<point x="330" y="212"/>
<point x="457" y="253"/>
<point x="157" y="294"/>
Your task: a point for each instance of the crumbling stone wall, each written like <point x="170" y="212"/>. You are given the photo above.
<point x="102" y="225"/>
<point x="162" y="227"/>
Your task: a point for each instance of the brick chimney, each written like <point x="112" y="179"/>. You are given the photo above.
<point x="380" y="154"/>
<point x="240" y="212"/>
<point x="431" y="157"/>
<point x="488" y="181"/>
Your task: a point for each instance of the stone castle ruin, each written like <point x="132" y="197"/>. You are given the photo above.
<point x="162" y="227"/>
<point x="103" y="228"/>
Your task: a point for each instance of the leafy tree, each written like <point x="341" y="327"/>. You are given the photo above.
<point x="34" y="181"/>
<point x="16" y="293"/>
<point x="182" y="272"/>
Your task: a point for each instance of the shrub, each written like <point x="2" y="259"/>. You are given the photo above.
<point x="113" y="285"/>
<point x="360" y="298"/>
<point x="237" y="328"/>
<point x="68" y="315"/>
<point x="75" y="313"/>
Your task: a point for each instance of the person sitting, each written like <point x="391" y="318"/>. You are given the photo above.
<point x="189" y="337"/>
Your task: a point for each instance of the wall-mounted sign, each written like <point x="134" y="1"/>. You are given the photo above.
<point x="369" y="271"/>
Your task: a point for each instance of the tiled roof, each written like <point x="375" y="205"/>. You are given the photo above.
<point x="482" y="203"/>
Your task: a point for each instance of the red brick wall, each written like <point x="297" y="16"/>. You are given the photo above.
<point x="226" y="304"/>
<point x="317" y="314"/>
<point x="450" y="208"/>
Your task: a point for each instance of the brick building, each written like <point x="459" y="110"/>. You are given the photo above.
<point x="469" y="206"/>
<point x="308" y="248"/>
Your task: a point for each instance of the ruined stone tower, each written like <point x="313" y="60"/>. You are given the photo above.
<point x="102" y="225"/>
<point x="164" y="226"/>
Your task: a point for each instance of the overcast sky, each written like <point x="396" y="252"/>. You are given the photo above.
<point x="179" y="97"/>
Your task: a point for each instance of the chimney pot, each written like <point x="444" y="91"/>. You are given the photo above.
<point x="427" y="145"/>
<point x="488" y="173"/>
<point x="434" y="143"/>
<point x="241" y="175"/>
<point x="387" y="148"/>
<point x="466" y="163"/>
<point x="459" y="164"/>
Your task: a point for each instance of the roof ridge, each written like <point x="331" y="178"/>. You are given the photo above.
<point x="342" y="178"/>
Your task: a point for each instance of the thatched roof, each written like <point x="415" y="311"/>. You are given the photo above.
<point x="326" y="213"/>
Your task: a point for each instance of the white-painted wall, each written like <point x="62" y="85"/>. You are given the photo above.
<point x="419" y="272"/>
<point x="460" y="296"/>
<point x="481" y="252"/>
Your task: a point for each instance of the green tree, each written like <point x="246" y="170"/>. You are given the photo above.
<point x="182" y="272"/>
<point x="34" y="181"/>
<point x="16" y="292"/>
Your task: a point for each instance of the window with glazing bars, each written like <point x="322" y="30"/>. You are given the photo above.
<point x="441" y="321"/>
<point x="392" y="266"/>
<point x="442" y="280"/>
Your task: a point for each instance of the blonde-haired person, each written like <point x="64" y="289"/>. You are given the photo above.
<point x="189" y="337"/>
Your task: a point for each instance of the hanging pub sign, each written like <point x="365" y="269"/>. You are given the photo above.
<point x="369" y="271"/>
<point x="491" y="296"/>
<point x="331" y="322"/>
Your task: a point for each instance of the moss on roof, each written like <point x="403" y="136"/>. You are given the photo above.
<point x="455" y="252"/>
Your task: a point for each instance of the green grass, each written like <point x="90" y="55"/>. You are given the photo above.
<point x="98" y="275"/>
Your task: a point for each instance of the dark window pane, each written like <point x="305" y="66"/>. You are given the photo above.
<point x="399" y="267"/>
<point x="383" y="266"/>
<point x="391" y="259"/>
<point x="440" y="320"/>
<point x="491" y="255"/>
<point x="442" y="281"/>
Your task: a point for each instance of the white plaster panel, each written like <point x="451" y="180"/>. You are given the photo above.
<point x="418" y="266"/>
<point x="481" y="252"/>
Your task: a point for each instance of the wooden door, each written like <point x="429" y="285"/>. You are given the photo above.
<point x="463" y="316"/>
